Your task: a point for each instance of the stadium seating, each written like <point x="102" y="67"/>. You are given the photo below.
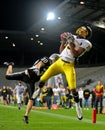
<point x="85" y="76"/>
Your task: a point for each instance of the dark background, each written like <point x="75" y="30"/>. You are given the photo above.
<point x="21" y="20"/>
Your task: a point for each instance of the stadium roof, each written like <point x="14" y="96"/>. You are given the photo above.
<point x="26" y="35"/>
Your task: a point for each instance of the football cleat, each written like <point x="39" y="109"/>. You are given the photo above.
<point x="25" y="119"/>
<point x="79" y="111"/>
<point x="11" y="63"/>
<point x="8" y="63"/>
<point x="19" y="108"/>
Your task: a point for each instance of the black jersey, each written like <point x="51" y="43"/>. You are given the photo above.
<point x="33" y="70"/>
<point x="44" y="59"/>
<point x="31" y="75"/>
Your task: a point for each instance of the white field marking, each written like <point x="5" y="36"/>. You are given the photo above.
<point x="58" y="115"/>
<point x="69" y="117"/>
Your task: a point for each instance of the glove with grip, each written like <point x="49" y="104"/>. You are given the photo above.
<point x="68" y="36"/>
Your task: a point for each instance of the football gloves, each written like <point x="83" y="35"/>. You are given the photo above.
<point x="68" y="36"/>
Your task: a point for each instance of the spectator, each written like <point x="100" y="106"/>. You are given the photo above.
<point x="93" y="97"/>
<point x="4" y="94"/>
<point x="49" y="96"/>
<point x="9" y="94"/>
<point x="80" y="92"/>
<point x="62" y="95"/>
<point x="56" y="91"/>
<point x="26" y="96"/>
<point x="86" y="94"/>
<point x="0" y="95"/>
<point x="46" y="96"/>
<point x="99" y="89"/>
<point x="43" y="98"/>
<point x="68" y="98"/>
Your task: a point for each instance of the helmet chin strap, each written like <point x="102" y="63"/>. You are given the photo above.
<point x="79" y="36"/>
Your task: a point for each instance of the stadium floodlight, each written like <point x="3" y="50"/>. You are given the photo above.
<point x="50" y="16"/>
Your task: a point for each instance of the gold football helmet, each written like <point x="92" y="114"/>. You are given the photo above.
<point x="84" y="31"/>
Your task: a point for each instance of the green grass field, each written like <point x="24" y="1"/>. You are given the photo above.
<point x="64" y="119"/>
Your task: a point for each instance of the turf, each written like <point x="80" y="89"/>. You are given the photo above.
<point x="64" y="119"/>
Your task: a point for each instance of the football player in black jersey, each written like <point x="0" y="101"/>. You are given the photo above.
<point x="30" y="76"/>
